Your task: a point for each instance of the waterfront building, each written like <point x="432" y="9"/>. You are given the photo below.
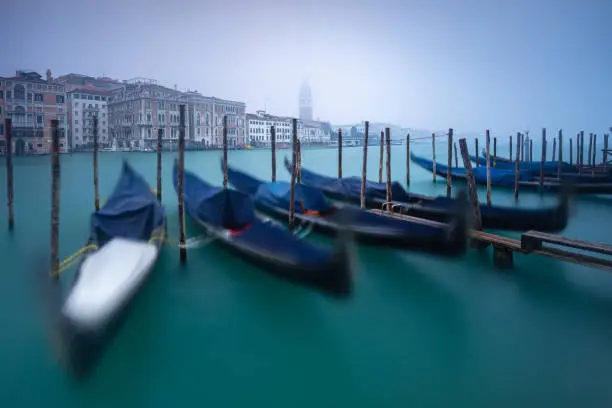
<point x="84" y="104"/>
<point x="32" y="102"/>
<point x="259" y="124"/>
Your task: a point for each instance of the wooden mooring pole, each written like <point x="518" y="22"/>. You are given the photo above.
<point x="449" y="162"/>
<point x="593" y="160"/>
<point x="590" y="149"/>
<point x="273" y="147"/>
<point x="433" y="148"/>
<point x="225" y="142"/>
<point x="530" y="150"/>
<point x="521" y="146"/>
<point x="516" y="166"/>
<point x="388" y="140"/>
<point x="407" y="158"/>
<point x="160" y="135"/>
<point x="293" y="174"/>
<point x="364" y="168"/>
<point x="8" y="128"/>
<point x="488" y="147"/>
<point x="339" y="153"/>
<point x="456" y="156"/>
<point x="605" y="151"/>
<point x="554" y="151"/>
<point x="511" y="147"/>
<point x="571" y="152"/>
<point x="560" y="136"/>
<point x="494" y="151"/>
<point x="299" y="161"/>
<point x="473" y="194"/>
<point x="543" y="158"/>
<point x="477" y="152"/>
<point x="380" y="161"/>
<point x="181" y="184"/>
<point x="95" y="164"/>
<point x="55" y="197"/>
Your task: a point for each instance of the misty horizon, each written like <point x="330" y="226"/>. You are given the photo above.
<point x="508" y="66"/>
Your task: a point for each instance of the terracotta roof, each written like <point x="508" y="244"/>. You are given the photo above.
<point x="91" y="90"/>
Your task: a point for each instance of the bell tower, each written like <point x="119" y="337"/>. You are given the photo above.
<point x="305" y="102"/>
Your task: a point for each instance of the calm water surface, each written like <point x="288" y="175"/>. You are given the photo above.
<point x="420" y="331"/>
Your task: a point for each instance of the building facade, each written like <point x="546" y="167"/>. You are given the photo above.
<point x="85" y="104"/>
<point x="32" y="103"/>
<point x="260" y="123"/>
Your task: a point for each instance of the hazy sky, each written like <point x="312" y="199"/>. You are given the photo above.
<point x="506" y="65"/>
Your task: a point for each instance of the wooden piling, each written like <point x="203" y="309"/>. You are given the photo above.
<point x="293" y="176"/>
<point x="590" y="149"/>
<point x="571" y="152"/>
<point x="298" y="163"/>
<point x="521" y="146"/>
<point x="456" y="156"/>
<point x="95" y="164"/>
<point x="225" y="164"/>
<point x="560" y="136"/>
<point x="273" y="147"/>
<point x="581" y="153"/>
<point x="554" y="150"/>
<point x="181" y="180"/>
<point x="160" y="133"/>
<point x="593" y="161"/>
<point x="55" y="197"/>
<point x="473" y="193"/>
<point x="495" y="152"/>
<point x="380" y="161"/>
<point x="364" y="168"/>
<point x="339" y="153"/>
<point x="488" y="147"/>
<point x="605" y="151"/>
<point x="516" y="165"/>
<point x="477" y="152"/>
<point x="433" y="148"/>
<point x="543" y="159"/>
<point x="407" y="158"/>
<point x="8" y="128"/>
<point x="449" y="163"/>
<point x="511" y="147"/>
<point x="530" y="150"/>
<point x="389" y="197"/>
<point x="578" y="147"/>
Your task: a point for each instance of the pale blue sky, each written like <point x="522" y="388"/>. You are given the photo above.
<point x="506" y="65"/>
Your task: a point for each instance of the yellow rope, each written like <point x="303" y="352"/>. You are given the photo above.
<point x="71" y="260"/>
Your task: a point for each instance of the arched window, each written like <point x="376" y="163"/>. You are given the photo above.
<point x="19" y="92"/>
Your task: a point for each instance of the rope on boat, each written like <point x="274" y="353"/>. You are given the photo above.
<point x="72" y="259"/>
<point x="197" y="242"/>
<point x="303" y="230"/>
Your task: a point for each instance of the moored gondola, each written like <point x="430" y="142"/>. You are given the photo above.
<point x="438" y="208"/>
<point x="228" y="216"/>
<point x="127" y="234"/>
<point x="506" y="178"/>
<point x="314" y="210"/>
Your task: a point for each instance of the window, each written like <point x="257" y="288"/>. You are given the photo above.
<point x="76" y="96"/>
<point x="89" y="97"/>
<point x="1" y="95"/>
<point x="1" y="129"/>
<point x="0" y="110"/>
<point x="9" y="95"/>
<point x="104" y="98"/>
<point x="76" y="122"/>
<point x="97" y="98"/>
<point x="59" y="98"/>
<point x="76" y="130"/>
<point x="39" y="119"/>
<point x="19" y="92"/>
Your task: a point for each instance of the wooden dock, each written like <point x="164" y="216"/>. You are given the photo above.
<point x="531" y="242"/>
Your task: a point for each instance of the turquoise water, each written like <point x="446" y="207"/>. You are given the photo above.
<point x="420" y="330"/>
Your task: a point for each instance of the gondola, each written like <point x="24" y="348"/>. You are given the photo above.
<point x="505" y="178"/>
<point x="551" y="170"/>
<point x="126" y="238"/>
<point x="228" y="216"/>
<point x="438" y="208"/>
<point x="313" y="209"/>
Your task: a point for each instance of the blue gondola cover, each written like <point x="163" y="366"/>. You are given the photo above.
<point x="230" y="209"/>
<point x="278" y="194"/>
<point x="131" y="211"/>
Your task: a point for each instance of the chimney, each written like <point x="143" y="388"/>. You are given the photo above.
<point x="49" y="77"/>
